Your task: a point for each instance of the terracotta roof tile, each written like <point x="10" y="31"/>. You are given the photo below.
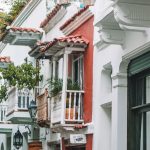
<point x="5" y="59"/>
<point x="38" y="44"/>
<point x="68" y="39"/>
<point x="21" y="29"/>
<point x="50" y="15"/>
<point x="74" y="17"/>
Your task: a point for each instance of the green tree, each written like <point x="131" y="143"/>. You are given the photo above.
<point x="23" y="76"/>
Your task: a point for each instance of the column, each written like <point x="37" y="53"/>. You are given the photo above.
<point x="54" y="68"/>
<point x="119" y="112"/>
<point x="64" y="88"/>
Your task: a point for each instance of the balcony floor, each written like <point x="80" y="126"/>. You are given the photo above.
<point x="19" y="117"/>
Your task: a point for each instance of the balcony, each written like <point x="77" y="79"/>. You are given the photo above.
<point x="66" y="105"/>
<point x="72" y="111"/>
<point x="43" y="109"/>
<point x="18" y="102"/>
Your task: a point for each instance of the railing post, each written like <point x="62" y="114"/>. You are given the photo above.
<point x="69" y="105"/>
<point x="74" y="112"/>
<point x="79" y="106"/>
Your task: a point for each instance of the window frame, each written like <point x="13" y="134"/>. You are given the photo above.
<point x="136" y="110"/>
<point x="81" y="72"/>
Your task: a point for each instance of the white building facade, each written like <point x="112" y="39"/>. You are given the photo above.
<point x="23" y="41"/>
<point x="121" y="85"/>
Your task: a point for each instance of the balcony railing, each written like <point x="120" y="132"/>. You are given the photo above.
<point x="19" y="99"/>
<point x="3" y="111"/>
<point x="73" y="108"/>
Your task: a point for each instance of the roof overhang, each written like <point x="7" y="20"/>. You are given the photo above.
<point x="77" y="20"/>
<point x="22" y="36"/>
<point x="53" y="17"/>
<point x="58" y="49"/>
<point x="75" y="43"/>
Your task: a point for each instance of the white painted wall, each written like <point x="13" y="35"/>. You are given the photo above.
<point x="110" y="112"/>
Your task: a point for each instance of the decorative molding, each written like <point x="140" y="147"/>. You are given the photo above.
<point x="132" y="14"/>
<point x="137" y="52"/>
<point x="110" y="31"/>
<point x="60" y="14"/>
<point x="119" y="80"/>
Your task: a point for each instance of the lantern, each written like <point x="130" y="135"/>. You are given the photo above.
<point x="32" y="109"/>
<point x="18" y="140"/>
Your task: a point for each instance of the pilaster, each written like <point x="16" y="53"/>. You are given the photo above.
<point x="119" y="112"/>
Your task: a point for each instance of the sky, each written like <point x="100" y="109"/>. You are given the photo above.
<point x="5" y="5"/>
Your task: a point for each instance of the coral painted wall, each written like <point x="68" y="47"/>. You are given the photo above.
<point x="86" y="30"/>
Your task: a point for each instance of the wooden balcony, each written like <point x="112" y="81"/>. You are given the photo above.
<point x="70" y="112"/>
<point x="43" y="112"/>
<point x="18" y="102"/>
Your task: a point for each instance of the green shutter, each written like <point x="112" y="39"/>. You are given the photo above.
<point x="139" y="64"/>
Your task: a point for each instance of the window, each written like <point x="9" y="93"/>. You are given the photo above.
<point x="19" y="101"/>
<point x="78" y="70"/>
<point x="139" y="111"/>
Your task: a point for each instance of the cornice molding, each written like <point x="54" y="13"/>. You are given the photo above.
<point x="137" y="52"/>
<point x="60" y="14"/>
<point x="132" y="14"/>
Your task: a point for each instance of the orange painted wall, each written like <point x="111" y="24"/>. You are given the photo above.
<point x="86" y="30"/>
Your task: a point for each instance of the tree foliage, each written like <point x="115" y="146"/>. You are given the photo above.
<point x="7" y="18"/>
<point x="3" y="93"/>
<point x="23" y="76"/>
